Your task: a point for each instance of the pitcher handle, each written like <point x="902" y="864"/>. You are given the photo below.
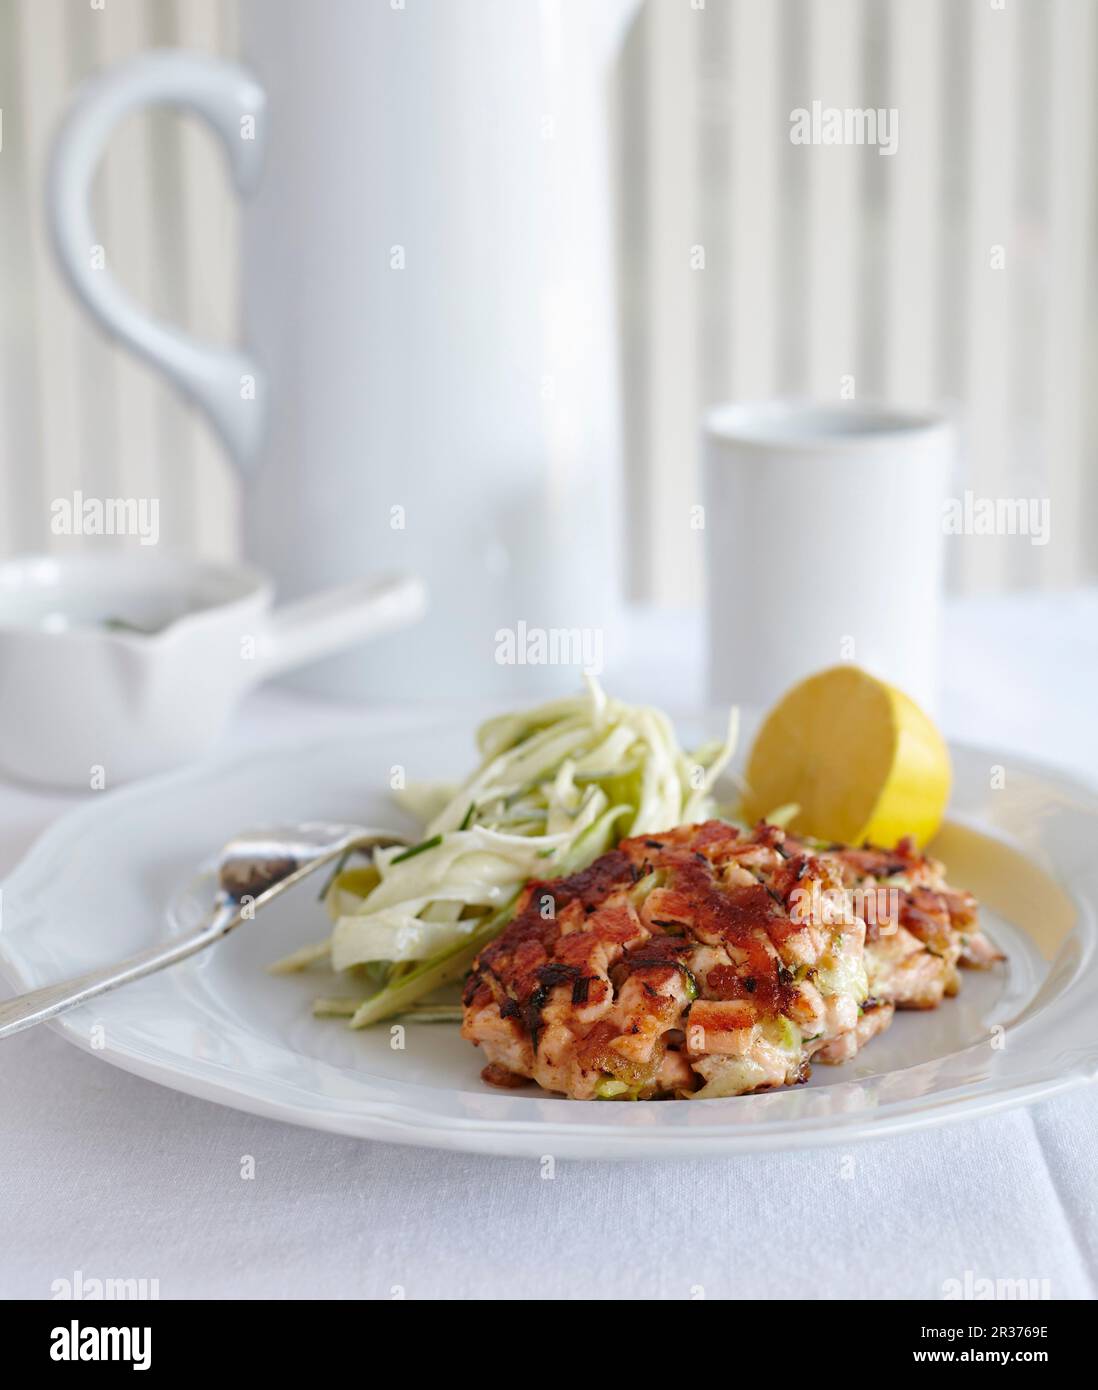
<point x="224" y="382"/>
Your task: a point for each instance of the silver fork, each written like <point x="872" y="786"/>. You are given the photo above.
<point x="254" y="869"/>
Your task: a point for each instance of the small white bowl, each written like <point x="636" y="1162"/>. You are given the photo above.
<point x="117" y="665"/>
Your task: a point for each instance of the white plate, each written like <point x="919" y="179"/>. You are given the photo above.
<point x="99" y="884"/>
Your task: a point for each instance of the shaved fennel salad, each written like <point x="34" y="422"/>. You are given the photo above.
<point x="557" y="785"/>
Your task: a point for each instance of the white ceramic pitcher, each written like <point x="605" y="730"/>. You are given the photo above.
<point x="428" y="311"/>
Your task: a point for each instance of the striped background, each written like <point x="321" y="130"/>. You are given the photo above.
<point x="819" y="262"/>
<point x="75" y="411"/>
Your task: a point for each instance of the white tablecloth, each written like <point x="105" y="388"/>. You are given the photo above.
<point x="117" y="1178"/>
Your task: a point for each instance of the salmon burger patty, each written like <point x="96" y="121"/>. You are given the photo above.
<point x="705" y="961"/>
<point x="919" y="932"/>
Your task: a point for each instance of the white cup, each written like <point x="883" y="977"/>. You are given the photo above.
<point x="121" y="664"/>
<point x="824" y="544"/>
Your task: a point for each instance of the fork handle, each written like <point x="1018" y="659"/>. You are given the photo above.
<point x="49" y="1001"/>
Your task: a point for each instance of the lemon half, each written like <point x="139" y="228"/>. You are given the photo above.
<point x="860" y="759"/>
